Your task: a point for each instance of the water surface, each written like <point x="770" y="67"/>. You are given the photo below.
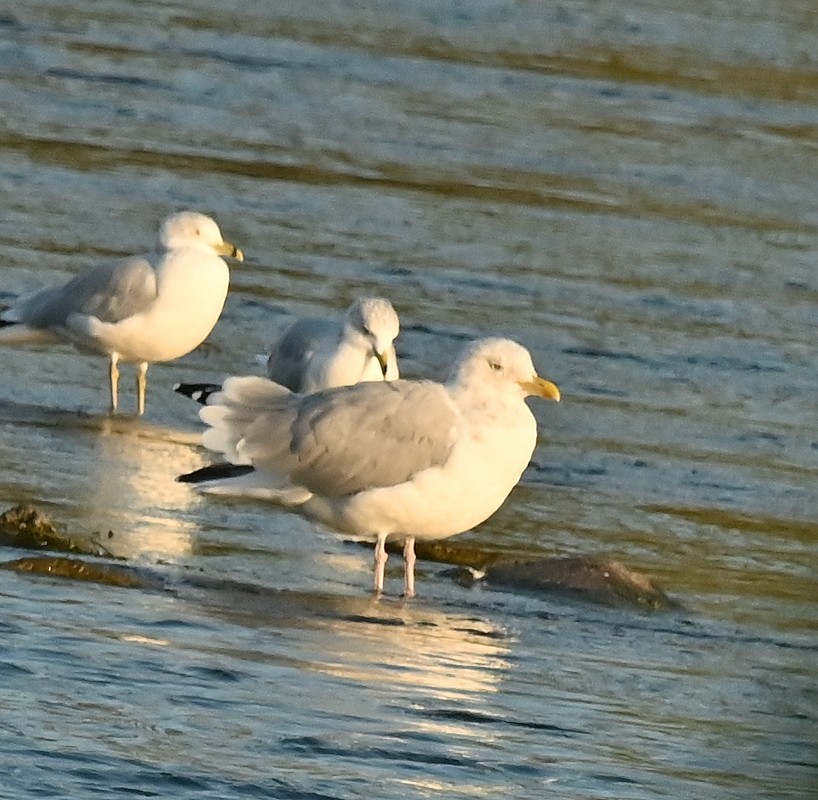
<point x="627" y="189"/>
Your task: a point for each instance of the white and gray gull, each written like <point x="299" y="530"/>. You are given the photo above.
<point x="141" y="309"/>
<point x="405" y="459"/>
<point x="315" y="353"/>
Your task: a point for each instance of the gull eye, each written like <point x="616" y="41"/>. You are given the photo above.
<point x="495" y="365"/>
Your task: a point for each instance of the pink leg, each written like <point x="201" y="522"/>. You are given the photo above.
<point x="409" y="567"/>
<point x="380" y="563"/>
<point x="141" y="386"/>
<point x="114" y="379"/>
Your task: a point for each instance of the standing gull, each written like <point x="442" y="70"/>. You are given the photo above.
<point x="315" y="353"/>
<point x="405" y="460"/>
<point x="142" y="309"/>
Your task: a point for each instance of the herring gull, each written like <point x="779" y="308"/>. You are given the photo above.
<point x="407" y="459"/>
<point x="315" y="353"/>
<point x="141" y="309"/>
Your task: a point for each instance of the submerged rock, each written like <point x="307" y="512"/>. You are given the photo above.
<point x="593" y="578"/>
<point x="81" y="570"/>
<point x="26" y="527"/>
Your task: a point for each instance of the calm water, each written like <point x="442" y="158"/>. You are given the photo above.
<point x="628" y="190"/>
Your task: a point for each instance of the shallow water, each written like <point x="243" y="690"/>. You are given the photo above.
<point x="626" y="189"/>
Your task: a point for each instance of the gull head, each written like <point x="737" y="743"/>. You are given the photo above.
<point x="375" y="319"/>
<point x="191" y="229"/>
<point x="503" y="365"/>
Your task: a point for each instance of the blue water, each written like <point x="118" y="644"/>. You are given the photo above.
<point x="627" y="189"/>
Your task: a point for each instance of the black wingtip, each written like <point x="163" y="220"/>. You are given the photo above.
<point x="215" y="472"/>
<point x="200" y="392"/>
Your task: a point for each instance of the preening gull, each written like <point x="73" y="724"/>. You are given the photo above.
<point x="405" y="459"/>
<point x="141" y="309"/>
<point x="315" y="353"/>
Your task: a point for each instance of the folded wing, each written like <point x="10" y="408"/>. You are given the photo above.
<point x="337" y="442"/>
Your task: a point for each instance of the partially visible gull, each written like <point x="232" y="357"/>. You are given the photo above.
<point x="141" y="309"/>
<point x="405" y="459"/>
<point x="315" y="353"/>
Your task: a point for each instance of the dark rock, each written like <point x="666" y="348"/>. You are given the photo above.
<point x="593" y="578"/>
<point x="443" y="552"/>
<point x="26" y="527"/>
<point x="80" y="570"/>
<point x="597" y="579"/>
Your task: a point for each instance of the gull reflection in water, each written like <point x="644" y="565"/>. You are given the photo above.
<point x="133" y="493"/>
<point x="443" y="669"/>
<point x="447" y="656"/>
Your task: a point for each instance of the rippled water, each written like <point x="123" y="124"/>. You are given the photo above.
<point x="629" y="190"/>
